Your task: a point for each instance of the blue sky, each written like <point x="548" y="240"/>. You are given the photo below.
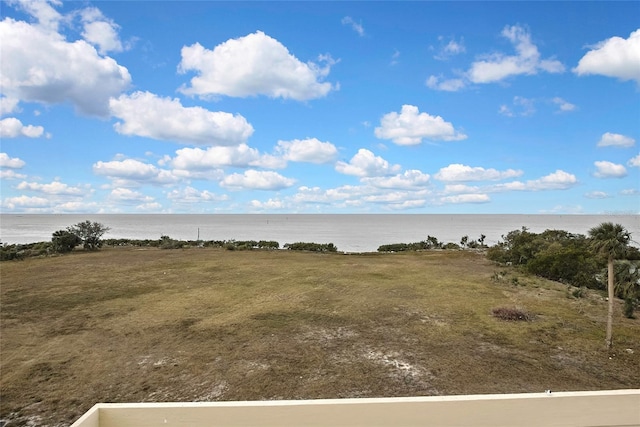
<point x="320" y="107"/>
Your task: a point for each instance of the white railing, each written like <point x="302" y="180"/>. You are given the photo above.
<point x="589" y="408"/>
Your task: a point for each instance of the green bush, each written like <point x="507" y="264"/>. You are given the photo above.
<point x="312" y="247"/>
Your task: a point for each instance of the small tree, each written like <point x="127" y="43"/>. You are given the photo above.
<point x="610" y="241"/>
<point x="90" y="233"/>
<point x="64" y="241"/>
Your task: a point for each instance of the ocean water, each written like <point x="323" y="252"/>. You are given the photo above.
<point x="350" y="233"/>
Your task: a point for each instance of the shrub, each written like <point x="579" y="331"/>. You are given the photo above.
<point x="312" y="247"/>
<point x="167" y="242"/>
<point x="64" y="241"/>
<point x="511" y="314"/>
<point x="629" y="307"/>
<point x="578" y="292"/>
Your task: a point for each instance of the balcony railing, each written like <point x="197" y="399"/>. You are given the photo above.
<point x="590" y="408"/>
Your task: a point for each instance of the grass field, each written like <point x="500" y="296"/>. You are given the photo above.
<point x="141" y="325"/>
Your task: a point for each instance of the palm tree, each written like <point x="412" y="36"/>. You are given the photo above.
<point x="611" y="241"/>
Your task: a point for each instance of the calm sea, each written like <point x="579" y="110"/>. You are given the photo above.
<point x="350" y="233"/>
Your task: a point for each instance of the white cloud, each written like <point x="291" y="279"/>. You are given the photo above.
<point x="41" y="66"/>
<point x="466" y="198"/>
<point x="100" y="31"/>
<point x="558" y="180"/>
<point x="8" y="174"/>
<point x="48" y="18"/>
<point x="366" y="164"/>
<point x="133" y="171"/>
<point x="596" y="195"/>
<point x="634" y="161"/>
<point x="13" y="128"/>
<point x="460" y="188"/>
<point x="609" y="139"/>
<point x="630" y="192"/>
<point x="8" y="105"/>
<point x="253" y="65"/>
<point x="56" y="188"/>
<point x="605" y="169"/>
<point x="563" y="106"/>
<point x="257" y="180"/>
<point x="309" y="150"/>
<point x="458" y="172"/>
<point x="521" y="107"/>
<point x="270" y="204"/>
<point x="448" y="85"/>
<point x="410" y="127"/>
<point x="128" y="196"/>
<point x="498" y="66"/>
<point x="357" y="27"/>
<point x="146" y="114"/>
<point x="195" y="159"/>
<point x="10" y="162"/>
<point x="613" y="57"/>
<point x="25" y="202"/>
<point x="446" y="51"/>
<point x="190" y="195"/>
<point x="410" y="179"/>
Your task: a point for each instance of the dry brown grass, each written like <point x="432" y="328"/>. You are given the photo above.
<point x="208" y="324"/>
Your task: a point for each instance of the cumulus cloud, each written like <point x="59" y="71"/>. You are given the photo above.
<point x="42" y="66"/>
<point x="10" y="162"/>
<point x="255" y="64"/>
<point x="146" y="114"/>
<point x="13" y="128"/>
<point x="634" y="161"/>
<point x="257" y="180"/>
<point x="43" y="11"/>
<point x="8" y="105"/>
<point x="133" y="172"/>
<point x="447" y="85"/>
<point x="558" y="180"/>
<point x="189" y="195"/>
<point x="310" y="150"/>
<point x="8" y="174"/>
<point x="466" y="198"/>
<point x="410" y="127"/>
<point x="271" y="204"/>
<point x="128" y="196"/>
<point x="56" y="188"/>
<point x="459" y="172"/>
<point x="563" y="106"/>
<point x="605" y="169"/>
<point x="357" y="27"/>
<point x="614" y="57"/>
<point x="100" y="31"/>
<point x="215" y="157"/>
<point x="496" y="67"/>
<point x="609" y="139"/>
<point x="410" y="179"/>
<point x="366" y="164"/>
<point x="25" y="202"/>
<point x="596" y="195"/>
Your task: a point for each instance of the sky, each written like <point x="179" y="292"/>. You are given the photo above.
<point x="320" y="107"/>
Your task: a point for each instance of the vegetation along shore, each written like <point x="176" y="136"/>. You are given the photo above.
<point x="87" y="320"/>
